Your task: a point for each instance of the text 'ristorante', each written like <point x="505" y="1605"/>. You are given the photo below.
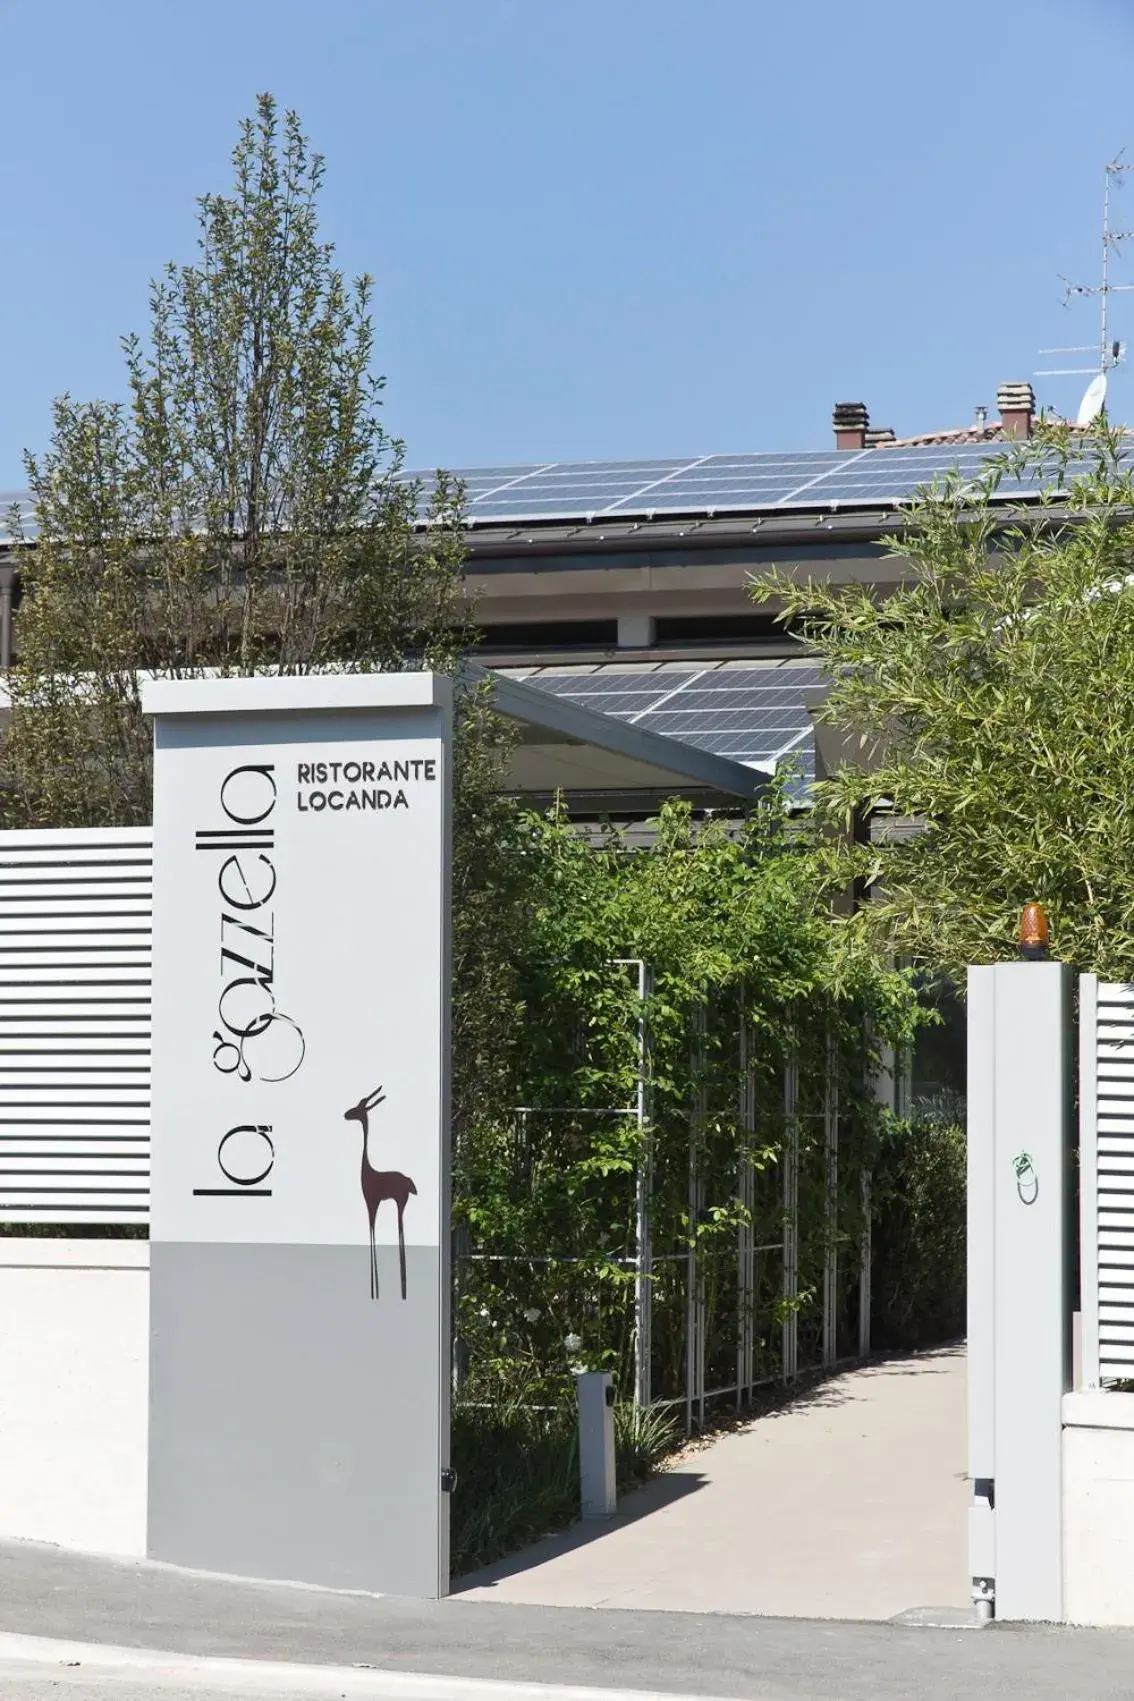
<point x="340" y="786"/>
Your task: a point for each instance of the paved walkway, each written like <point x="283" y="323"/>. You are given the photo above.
<point x="849" y="1503"/>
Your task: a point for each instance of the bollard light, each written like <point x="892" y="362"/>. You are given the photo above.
<point x="597" y="1477"/>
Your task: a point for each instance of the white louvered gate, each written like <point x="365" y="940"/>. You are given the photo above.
<point x="1106" y="1179"/>
<point x="75" y="924"/>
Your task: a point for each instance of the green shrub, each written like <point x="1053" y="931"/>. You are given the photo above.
<point x="643" y="1437"/>
<point x="518" y="1472"/>
<point x="517" y="1479"/>
<point x="918" y="1265"/>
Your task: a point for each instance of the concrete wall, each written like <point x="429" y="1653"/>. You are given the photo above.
<point x="74" y="1324"/>
<point x="1098" y="1508"/>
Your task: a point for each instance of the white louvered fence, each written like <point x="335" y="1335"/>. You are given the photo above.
<point x="75" y="920"/>
<point x="1106" y="1179"/>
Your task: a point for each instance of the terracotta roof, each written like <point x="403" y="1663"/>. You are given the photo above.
<point x="993" y="432"/>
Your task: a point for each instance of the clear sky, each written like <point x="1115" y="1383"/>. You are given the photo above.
<point x="598" y="228"/>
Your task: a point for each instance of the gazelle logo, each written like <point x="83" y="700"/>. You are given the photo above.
<point x="255" y="1041"/>
<point x="379" y="1185"/>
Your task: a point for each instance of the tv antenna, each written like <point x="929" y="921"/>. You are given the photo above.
<point x="1109" y="352"/>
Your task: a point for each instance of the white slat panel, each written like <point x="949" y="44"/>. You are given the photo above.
<point x="38" y="983"/>
<point x="125" y="912"/>
<point x="124" y="1000"/>
<point x="114" y="1035"/>
<point x="63" y="1091"/>
<point x="49" y="1078"/>
<point x="75" y="917"/>
<point x="98" y="1123"/>
<point x="1107" y="1179"/>
<point x="118" y="1202"/>
<point x="16" y="1171"/>
<point x="20" y="1151"/>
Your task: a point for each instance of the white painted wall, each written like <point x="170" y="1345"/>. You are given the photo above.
<point x="74" y="1350"/>
<point x="1098" y="1508"/>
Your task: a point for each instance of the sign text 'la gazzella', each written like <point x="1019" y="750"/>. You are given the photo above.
<point x="254" y="1042"/>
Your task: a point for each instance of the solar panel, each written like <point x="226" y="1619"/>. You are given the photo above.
<point x="621" y="704"/>
<point x="873" y="492"/>
<point x="1033" y="478"/>
<point x="730" y="481"/>
<point x="552" y="481"/>
<point x="586" y="684"/>
<point x="676" y="722"/>
<point x="479" y="481"/>
<point x="754" y="714"/>
<point x="701" y="708"/>
<point x="551" y="508"/>
<point x="755" y="483"/>
<point x="736" y="483"/>
<point x="721" y="483"/>
<point x="581" y="491"/>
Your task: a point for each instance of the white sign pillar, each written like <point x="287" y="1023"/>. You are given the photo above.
<point x="1019" y="1280"/>
<point x="300" y="1211"/>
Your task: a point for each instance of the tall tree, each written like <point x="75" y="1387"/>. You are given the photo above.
<point x="244" y="511"/>
<point x="988" y="704"/>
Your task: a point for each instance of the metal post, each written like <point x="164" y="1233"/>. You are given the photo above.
<point x="597" y="1492"/>
<point x="885" y="1094"/>
<point x="6" y="587"/>
<point x="461" y="1248"/>
<point x="790" y="1330"/>
<point x="865" y="1296"/>
<point x="694" y="1291"/>
<point x="831" y="1249"/>
<point x="644" y="1181"/>
<point x="746" y="1233"/>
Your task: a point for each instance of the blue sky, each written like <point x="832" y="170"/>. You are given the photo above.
<point x="598" y="228"/>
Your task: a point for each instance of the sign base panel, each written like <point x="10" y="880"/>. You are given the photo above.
<point x="281" y="1429"/>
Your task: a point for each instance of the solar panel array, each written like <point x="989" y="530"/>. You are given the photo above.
<point x="720" y="484"/>
<point x="578" y="491"/>
<point x="754" y="713"/>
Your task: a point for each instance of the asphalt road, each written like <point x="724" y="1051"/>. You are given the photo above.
<point x="814" y="1662"/>
<point x="47" y="1593"/>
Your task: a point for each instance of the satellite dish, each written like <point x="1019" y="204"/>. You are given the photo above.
<point x="1093" y="401"/>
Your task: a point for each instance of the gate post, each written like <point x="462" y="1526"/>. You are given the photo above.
<point x="299" y="1303"/>
<point x="1020" y="1218"/>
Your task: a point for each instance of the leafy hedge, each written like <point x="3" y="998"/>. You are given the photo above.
<point x="918" y="1265"/>
<point x="751" y="982"/>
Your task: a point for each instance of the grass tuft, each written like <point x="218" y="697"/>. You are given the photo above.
<point x="518" y="1472"/>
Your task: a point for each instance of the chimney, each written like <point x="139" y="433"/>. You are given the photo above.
<point x="850" y="420"/>
<point x="1017" y="404"/>
<point x="877" y="435"/>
